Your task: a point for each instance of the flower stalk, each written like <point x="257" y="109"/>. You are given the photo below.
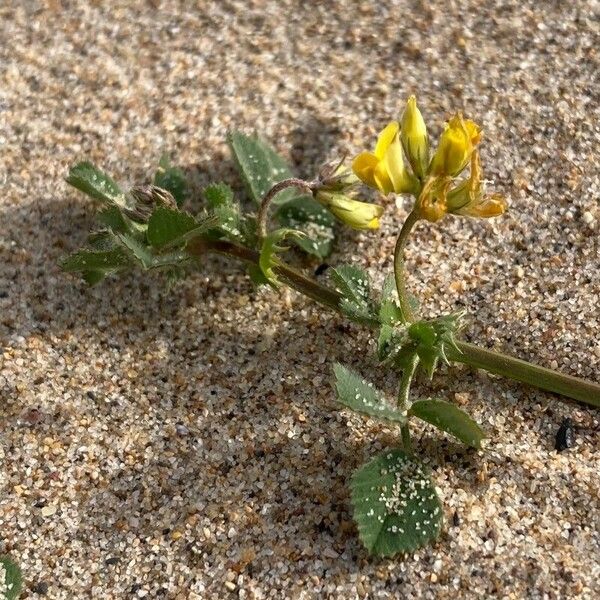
<point x="399" y="271"/>
<point x="263" y="211"/>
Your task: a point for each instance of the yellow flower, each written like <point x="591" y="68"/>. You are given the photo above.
<point x="467" y="198"/>
<point x="384" y="168"/>
<point x="359" y="215"/>
<point x="457" y="143"/>
<point x="413" y="134"/>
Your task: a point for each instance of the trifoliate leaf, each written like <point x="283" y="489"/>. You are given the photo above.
<point x="270" y="249"/>
<point x="353" y="283"/>
<point x="167" y="227"/>
<point x="307" y="215"/>
<point x="92" y="181"/>
<point x="449" y="418"/>
<point x="260" y="166"/>
<point x="396" y="506"/>
<point x="172" y="179"/>
<point x="360" y="395"/>
<point x="11" y="579"/>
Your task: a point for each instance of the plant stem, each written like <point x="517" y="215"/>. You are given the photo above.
<point x="405" y="308"/>
<point x="489" y="360"/>
<point x="263" y="211"/>
<point x="526" y="372"/>
<point x="404" y="399"/>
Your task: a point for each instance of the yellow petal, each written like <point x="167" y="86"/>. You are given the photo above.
<point x="413" y="134"/>
<point x="401" y="180"/>
<point x="382" y="178"/>
<point x="385" y="138"/>
<point x="473" y="130"/>
<point x="364" y="166"/>
<point x="455" y="147"/>
<point x="492" y="206"/>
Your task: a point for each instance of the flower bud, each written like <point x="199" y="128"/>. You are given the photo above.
<point x="456" y="145"/>
<point x="413" y="134"/>
<point x="359" y="215"/>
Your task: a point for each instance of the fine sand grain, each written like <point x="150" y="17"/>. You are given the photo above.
<point x="185" y="443"/>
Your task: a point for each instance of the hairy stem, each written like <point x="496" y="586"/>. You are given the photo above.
<point x="263" y="211"/>
<point x="405" y="308"/>
<point x="489" y="360"/>
<point x="404" y="399"/>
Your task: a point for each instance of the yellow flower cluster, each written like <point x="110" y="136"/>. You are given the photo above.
<point x="433" y="181"/>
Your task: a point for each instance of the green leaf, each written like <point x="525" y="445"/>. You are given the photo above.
<point x="396" y="506"/>
<point x="231" y="223"/>
<point x="449" y="418"/>
<point x="147" y="259"/>
<point x="167" y="226"/>
<point x="359" y="395"/>
<point x="308" y="216"/>
<point x="270" y="249"/>
<point x="113" y="219"/>
<point x="353" y="283"/>
<point x="172" y="179"/>
<point x="11" y="578"/>
<point x="260" y="166"/>
<point x="218" y="194"/>
<point x="96" y="265"/>
<point x="91" y="181"/>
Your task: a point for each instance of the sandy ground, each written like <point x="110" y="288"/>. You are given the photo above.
<point x="185" y="443"/>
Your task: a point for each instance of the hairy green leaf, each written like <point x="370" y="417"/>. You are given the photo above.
<point x="11" y="578"/>
<point x="167" y="227"/>
<point x="360" y="395"/>
<point x="95" y="265"/>
<point x="145" y="255"/>
<point x="172" y="179"/>
<point x="260" y="166"/>
<point x="353" y="283"/>
<point x="218" y="194"/>
<point x="114" y="219"/>
<point x="396" y="506"/>
<point x="98" y="185"/>
<point x="449" y="418"/>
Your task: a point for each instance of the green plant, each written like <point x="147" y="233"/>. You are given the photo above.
<point x="395" y="504"/>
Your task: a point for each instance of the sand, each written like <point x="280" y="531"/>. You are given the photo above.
<point x="185" y="442"/>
